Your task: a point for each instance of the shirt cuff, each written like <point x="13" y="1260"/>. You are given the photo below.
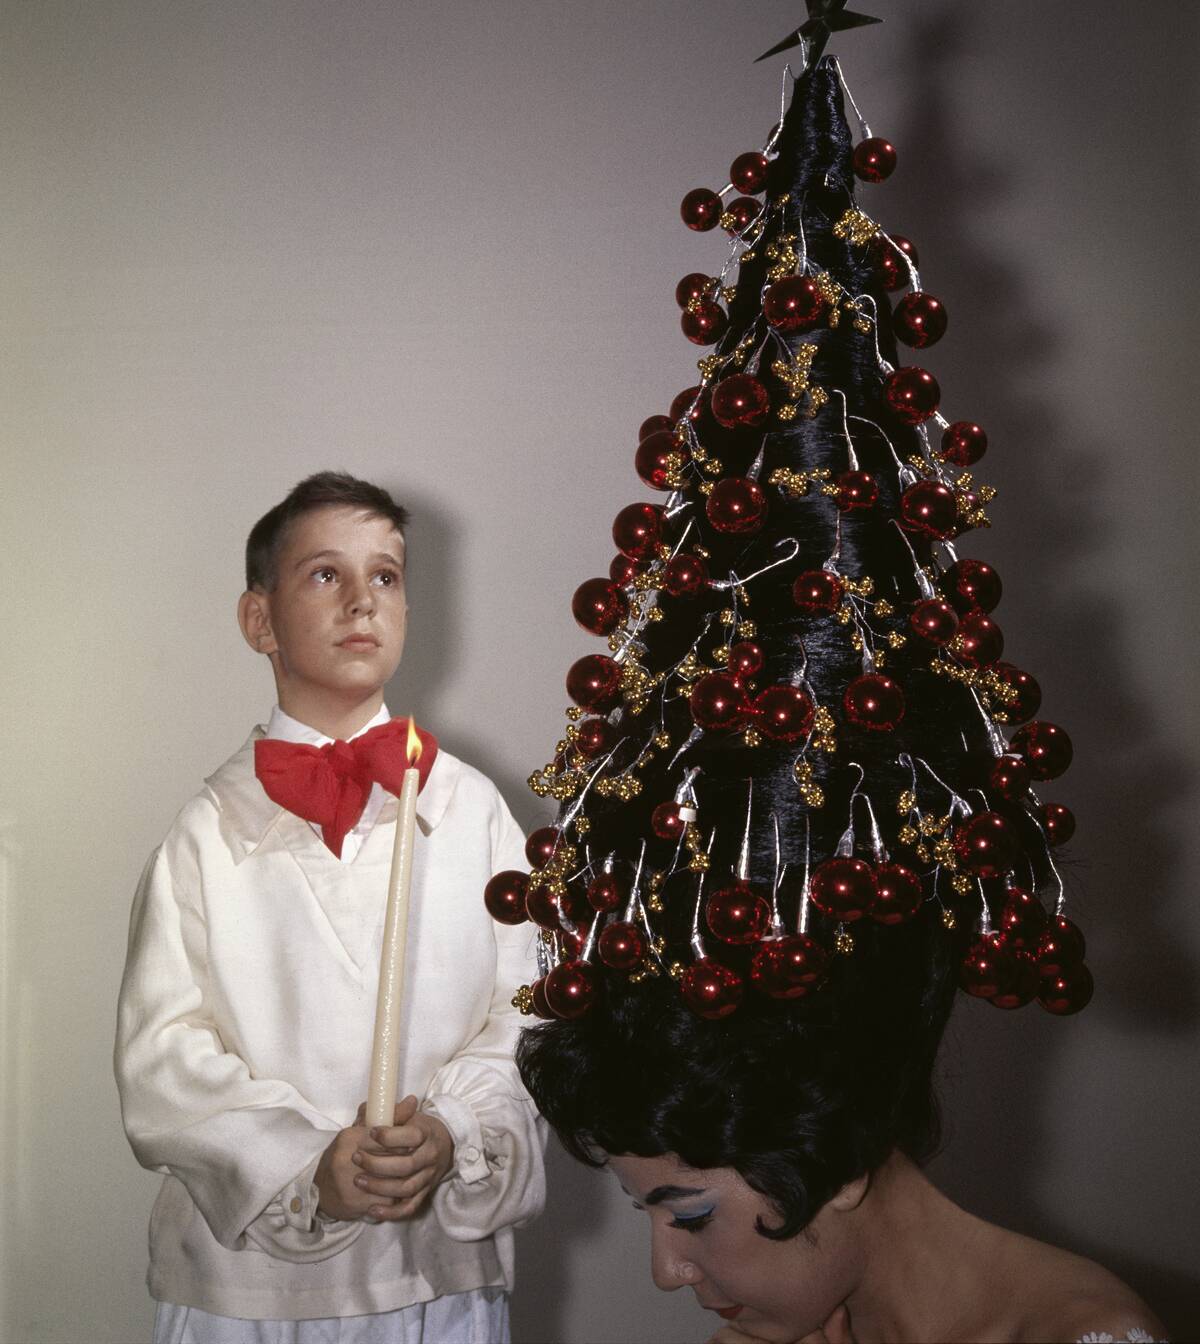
<point x="470" y="1160"/>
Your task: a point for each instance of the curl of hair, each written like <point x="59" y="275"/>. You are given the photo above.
<point x="798" y="1099"/>
<point x="322" y="490"/>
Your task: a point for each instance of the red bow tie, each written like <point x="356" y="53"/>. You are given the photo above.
<point x="330" y="785"/>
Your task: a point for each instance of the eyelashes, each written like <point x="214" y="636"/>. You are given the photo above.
<point x="701" y="1220"/>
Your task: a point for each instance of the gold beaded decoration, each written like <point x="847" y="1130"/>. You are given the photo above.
<point x="813" y="794"/>
<point x="522" y="1000"/>
<point x="843" y="944"/>
<point x="855" y="227"/>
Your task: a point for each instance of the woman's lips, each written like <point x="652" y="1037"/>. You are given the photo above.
<point x="728" y="1312"/>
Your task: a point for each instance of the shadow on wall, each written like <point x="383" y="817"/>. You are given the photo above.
<point x="545" y="1250"/>
<point x="1129" y="780"/>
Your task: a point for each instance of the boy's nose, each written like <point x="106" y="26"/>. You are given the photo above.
<point x="361" y="601"/>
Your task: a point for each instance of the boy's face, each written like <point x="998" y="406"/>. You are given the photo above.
<point x="335" y="623"/>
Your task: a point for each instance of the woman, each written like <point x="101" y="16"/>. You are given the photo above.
<point x="777" y="1157"/>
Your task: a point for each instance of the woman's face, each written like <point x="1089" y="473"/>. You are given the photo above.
<point x="703" y="1236"/>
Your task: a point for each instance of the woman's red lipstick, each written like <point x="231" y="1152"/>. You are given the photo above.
<point x="728" y="1312"/>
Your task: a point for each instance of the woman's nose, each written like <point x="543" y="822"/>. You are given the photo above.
<point x="668" y="1268"/>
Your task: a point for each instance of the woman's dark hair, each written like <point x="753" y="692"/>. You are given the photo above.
<point x="797" y="1098"/>
<point x="322" y="490"/>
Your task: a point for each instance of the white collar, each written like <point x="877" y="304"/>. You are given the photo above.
<point x="248" y="815"/>
<point x="286" y="729"/>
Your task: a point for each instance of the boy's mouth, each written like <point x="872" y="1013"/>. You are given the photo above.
<point x="358" y="642"/>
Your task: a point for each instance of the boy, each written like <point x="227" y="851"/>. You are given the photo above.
<point x="247" y="1007"/>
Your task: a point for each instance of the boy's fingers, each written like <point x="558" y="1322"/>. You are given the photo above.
<point x="360" y="1116"/>
<point x="405" y="1110"/>
<point x="399" y="1136"/>
<point x="395" y="1189"/>
<point x="396" y="1164"/>
<point x="395" y="1212"/>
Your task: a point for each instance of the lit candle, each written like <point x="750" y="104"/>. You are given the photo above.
<point x="385" y="1051"/>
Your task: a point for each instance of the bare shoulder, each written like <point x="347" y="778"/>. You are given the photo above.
<point x="1072" y="1298"/>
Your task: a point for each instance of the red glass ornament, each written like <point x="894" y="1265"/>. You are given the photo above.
<point x="540" y="846"/>
<point x="1060" y="948"/>
<point x="666" y="822"/>
<point x="748" y="172"/>
<point x="980" y="640"/>
<point x="622" y="570"/>
<point x="789" y="967"/>
<point x="740" y="399"/>
<point x="972" y="585"/>
<point x="985" y="845"/>
<point x="919" y="320"/>
<point x="963" y="443"/>
<point x="710" y="989"/>
<point x="933" y="620"/>
<point x="746" y="660"/>
<point x="605" y="893"/>
<point x="737" y="506"/>
<point x="595" y="737"/>
<point x="571" y="945"/>
<point x="930" y="507"/>
<point x="685" y="576"/>
<point x="1023" y="920"/>
<point x="1068" y="992"/>
<point x="843" y="888"/>
<point x="705" y="324"/>
<point x="983" y="970"/>
<point x="652" y="424"/>
<point x="658" y="457"/>
<point x="784" y="713"/>
<point x="504" y="897"/>
<point x="912" y="393"/>
<point x="855" y="490"/>
<point x="1021" y="981"/>
<point x="1046" y="747"/>
<point x="874" y="702"/>
<point x="874" y="160"/>
<point x="888" y="265"/>
<point x="693" y="286"/>
<point x="637" y="530"/>
<point x="1059" y="822"/>
<point x="594" y="682"/>
<point x="540" y="1007"/>
<point x="1029" y="693"/>
<point x="740" y="212"/>
<point x="701" y="209"/>
<point x="622" y="946"/>
<point x="544" y="909"/>
<point x="898" y="894"/>
<point x="794" y="303"/>
<point x="683" y="405"/>
<point x="818" y="592"/>
<point x="572" y="988"/>
<point x="718" y="702"/>
<point x="1009" y="777"/>
<point x="738" y="914"/>
<point x="599" y="606"/>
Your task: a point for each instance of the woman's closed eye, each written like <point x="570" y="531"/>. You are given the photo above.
<point x="692" y="1222"/>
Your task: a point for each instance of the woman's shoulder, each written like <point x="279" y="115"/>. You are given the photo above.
<point x="1072" y="1298"/>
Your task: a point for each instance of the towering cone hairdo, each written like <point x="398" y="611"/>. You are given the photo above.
<point x="793" y="743"/>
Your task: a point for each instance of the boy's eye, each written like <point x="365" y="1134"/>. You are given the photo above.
<point x="387" y="577"/>
<point x="693" y="1224"/>
<point x="324" y="573"/>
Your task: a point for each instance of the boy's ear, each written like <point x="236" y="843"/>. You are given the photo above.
<point x="254" y="617"/>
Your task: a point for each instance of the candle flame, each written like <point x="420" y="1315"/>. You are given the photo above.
<point x="414" y="742"/>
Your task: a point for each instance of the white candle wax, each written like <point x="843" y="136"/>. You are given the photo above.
<point x="385" y="1052"/>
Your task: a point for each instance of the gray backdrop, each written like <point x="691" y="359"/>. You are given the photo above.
<point x="436" y="245"/>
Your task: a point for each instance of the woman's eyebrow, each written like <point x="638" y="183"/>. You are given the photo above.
<point x="661" y="1192"/>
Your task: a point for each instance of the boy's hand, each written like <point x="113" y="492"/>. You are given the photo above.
<point x="404" y="1163"/>
<point x="338" y="1196"/>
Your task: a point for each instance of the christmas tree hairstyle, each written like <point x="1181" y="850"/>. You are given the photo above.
<point x="790" y="764"/>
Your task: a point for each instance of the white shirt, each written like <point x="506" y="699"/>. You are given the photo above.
<point x="244" y="1032"/>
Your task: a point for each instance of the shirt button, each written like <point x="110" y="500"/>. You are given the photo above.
<point x="297" y="1204"/>
<point x="470" y="1154"/>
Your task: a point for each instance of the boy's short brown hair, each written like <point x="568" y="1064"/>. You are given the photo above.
<point x="314" y="492"/>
